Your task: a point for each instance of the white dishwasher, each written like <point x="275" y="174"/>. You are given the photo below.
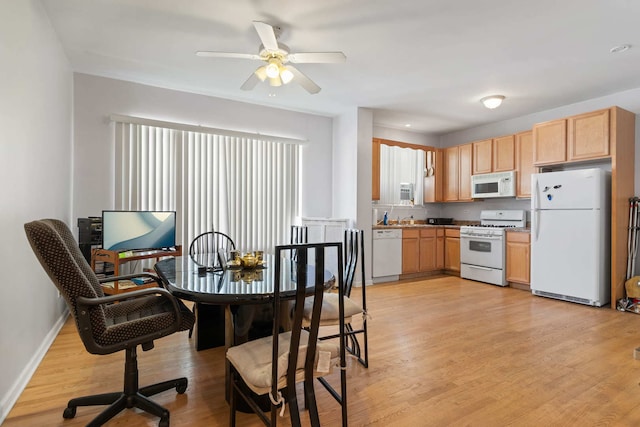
<point x="387" y="253"/>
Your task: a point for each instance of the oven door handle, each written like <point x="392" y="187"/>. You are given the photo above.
<point x="480" y="268"/>
<point x="464" y="236"/>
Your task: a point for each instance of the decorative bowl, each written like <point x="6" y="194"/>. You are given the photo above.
<point x="249" y="261"/>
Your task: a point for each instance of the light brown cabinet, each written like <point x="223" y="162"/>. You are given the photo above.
<point x="494" y="155"/>
<point x="464" y="184"/>
<point x="439" y="248"/>
<point x="410" y="251"/>
<point x="524" y="163"/>
<point x="482" y="156"/>
<point x="421" y="250"/>
<point x="457" y="174"/>
<point x="588" y="136"/>
<point x="576" y="138"/>
<point x="375" y="169"/>
<point x="518" y="257"/>
<point x="504" y="153"/>
<point x="452" y="250"/>
<point x="428" y="249"/>
<point x="550" y="142"/>
<point x="434" y="179"/>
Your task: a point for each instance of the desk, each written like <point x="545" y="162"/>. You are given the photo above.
<point x="117" y="257"/>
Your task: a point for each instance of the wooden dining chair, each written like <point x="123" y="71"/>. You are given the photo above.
<point x="211" y="249"/>
<point x="274" y="364"/>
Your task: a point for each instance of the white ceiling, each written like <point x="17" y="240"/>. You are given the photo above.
<point x="424" y="62"/>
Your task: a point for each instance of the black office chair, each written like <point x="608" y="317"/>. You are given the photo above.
<point x="274" y="364"/>
<point x="138" y="318"/>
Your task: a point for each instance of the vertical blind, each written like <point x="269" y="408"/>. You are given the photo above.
<point x="245" y="187"/>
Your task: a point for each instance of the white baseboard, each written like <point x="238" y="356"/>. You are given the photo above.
<point x="8" y="400"/>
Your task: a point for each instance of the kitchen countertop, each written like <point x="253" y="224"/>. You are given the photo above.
<point x="381" y="227"/>
<point x="457" y="225"/>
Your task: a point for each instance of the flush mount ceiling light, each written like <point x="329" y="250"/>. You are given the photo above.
<point x="620" y="48"/>
<point x="492" y="101"/>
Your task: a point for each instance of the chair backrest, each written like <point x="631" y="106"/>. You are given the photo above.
<point x="60" y="256"/>
<point x="353" y="253"/>
<point x="211" y="249"/>
<point x="299" y="234"/>
<point x="309" y="273"/>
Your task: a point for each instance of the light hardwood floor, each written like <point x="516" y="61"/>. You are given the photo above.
<point x="443" y="352"/>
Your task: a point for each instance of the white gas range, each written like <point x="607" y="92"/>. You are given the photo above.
<point x="482" y="247"/>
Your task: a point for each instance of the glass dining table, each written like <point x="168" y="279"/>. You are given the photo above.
<point x="242" y="292"/>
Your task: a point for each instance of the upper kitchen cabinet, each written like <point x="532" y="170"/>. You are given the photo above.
<point x="524" y="163"/>
<point x="576" y="138"/>
<point x="504" y="153"/>
<point x="451" y="174"/>
<point x="550" y="142"/>
<point x="434" y="176"/>
<point x="457" y="173"/>
<point x="482" y="156"/>
<point x="375" y="170"/>
<point x="494" y="155"/>
<point x="588" y="135"/>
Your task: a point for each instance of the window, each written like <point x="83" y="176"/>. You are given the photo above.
<point x="241" y="185"/>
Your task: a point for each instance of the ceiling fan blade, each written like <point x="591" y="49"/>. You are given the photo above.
<point x="208" y="54"/>
<point x="251" y="82"/>
<point x="303" y="80"/>
<point x="317" y="57"/>
<point x="267" y="35"/>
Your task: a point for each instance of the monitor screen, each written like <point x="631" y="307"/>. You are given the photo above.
<point x="135" y="230"/>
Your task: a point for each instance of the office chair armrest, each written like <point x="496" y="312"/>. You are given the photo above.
<point x="129" y="276"/>
<point x="84" y="302"/>
<point x="86" y="330"/>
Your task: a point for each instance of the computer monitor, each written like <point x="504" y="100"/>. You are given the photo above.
<point x="138" y="230"/>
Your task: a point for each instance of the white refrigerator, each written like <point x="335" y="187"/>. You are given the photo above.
<point x="570" y="243"/>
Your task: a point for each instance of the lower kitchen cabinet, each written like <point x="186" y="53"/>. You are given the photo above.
<point x="452" y="250"/>
<point x="428" y="249"/>
<point x="518" y="257"/>
<point x="410" y="250"/>
<point x="439" y="248"/>
<point x="422" y="250"/>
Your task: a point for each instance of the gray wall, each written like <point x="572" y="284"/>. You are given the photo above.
<point x="35" y="153"/>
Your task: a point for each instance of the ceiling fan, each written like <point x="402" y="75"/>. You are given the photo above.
<point x="277" y="69"/>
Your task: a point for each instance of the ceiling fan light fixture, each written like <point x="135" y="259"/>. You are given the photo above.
<point x="275" y="81"/>
<point x="273" y="68"/>
<point x="492" y="101"/>
<point x="286" y="75"/>
<point x="261" y="73"/>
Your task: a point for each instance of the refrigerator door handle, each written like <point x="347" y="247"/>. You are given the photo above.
<point x="535" y="210"/>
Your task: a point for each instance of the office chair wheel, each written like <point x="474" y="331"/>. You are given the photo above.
<point x="181" y="388"/>
<point x="69" y="412"/>
<point x="164" y="422"/>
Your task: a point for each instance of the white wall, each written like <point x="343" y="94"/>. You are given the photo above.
<point x="345" y="165"/>
<point x="35" y="169"/>
<point x="96" y="98"/>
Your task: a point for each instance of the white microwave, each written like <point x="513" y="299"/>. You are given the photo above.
<point x="498" y="184"/>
